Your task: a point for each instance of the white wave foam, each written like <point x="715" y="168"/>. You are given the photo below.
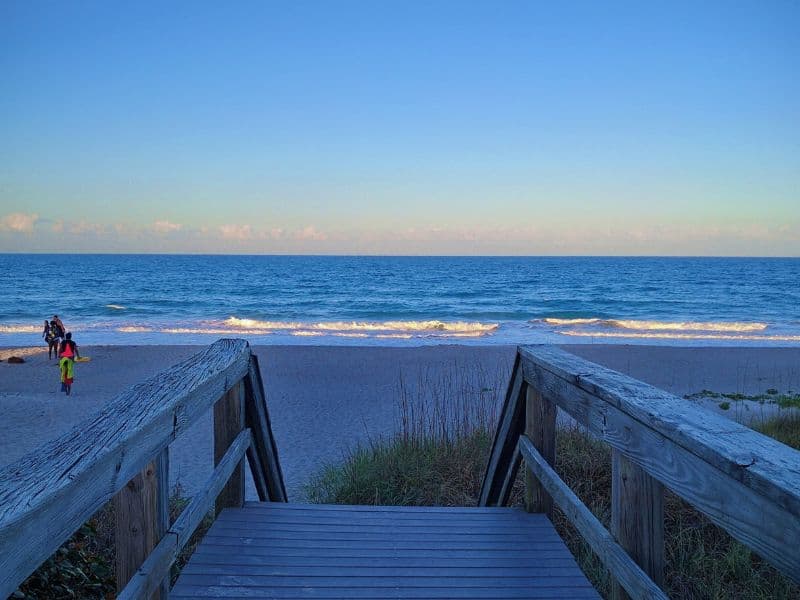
<point x="235" y="323"/>
<point x="688" y="325"/>
<point x="351" y="329"/>
<point x="647" y="325"/>
<point x="115" y="306"/>
<point x="674" y="335"/>
<point x="457" y="328"/>
<point x="21" y="328"/>
<point x="214" y="330"/>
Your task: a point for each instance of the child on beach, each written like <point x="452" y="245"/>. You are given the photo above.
<point x="66" y="364"/>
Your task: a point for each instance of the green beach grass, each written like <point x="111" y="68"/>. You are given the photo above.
<point x="442" y="463"/>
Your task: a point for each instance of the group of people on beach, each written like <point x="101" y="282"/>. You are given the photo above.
<point x="60" y="344"/>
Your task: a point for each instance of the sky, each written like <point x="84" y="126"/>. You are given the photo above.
<point x="476" y="128"/>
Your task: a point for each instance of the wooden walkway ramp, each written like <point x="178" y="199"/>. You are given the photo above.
<point x="278" y="550"/>
<point x="744" y="482"/>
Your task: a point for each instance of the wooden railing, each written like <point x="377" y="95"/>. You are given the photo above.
<point x="743" y="481"/>
<point x="122" y="454"/>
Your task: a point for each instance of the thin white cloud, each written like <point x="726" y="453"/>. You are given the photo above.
<point x="236" y="232"/>
<point x="310" y="233"/>
<point x="19" y="222"/>
<point x="165" y="226"/>
<point x="84" y="227"/>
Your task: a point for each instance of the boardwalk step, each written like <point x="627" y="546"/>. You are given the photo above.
<point x="267" y="550"/>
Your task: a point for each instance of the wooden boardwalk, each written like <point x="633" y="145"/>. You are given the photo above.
<point x="277" y="550"/>
<point x="741" y="480"/>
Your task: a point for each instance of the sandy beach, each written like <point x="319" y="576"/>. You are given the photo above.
<point x="325" y="400"/>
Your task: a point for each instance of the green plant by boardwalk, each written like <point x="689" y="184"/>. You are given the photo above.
<point x="771" y="396"/>
<point x="432" y="462"/>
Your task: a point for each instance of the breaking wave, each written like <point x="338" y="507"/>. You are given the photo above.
<point x="674" y="335"/>
<point x="20" y="328"/>
<point x="435" y="326"/>
<point x="115" y="306"/>
<point x="342" y="329"/>
<point x="645" y="325"/>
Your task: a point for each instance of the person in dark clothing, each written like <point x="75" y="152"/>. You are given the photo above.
<point x="67" y="353"/>
<point x="59" y="325"/>
<point x="50" y="335"/>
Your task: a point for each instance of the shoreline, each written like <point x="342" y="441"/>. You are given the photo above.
<point x="324" y="400"/>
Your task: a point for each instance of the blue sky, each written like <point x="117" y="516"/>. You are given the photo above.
<point x="401" y="128"/>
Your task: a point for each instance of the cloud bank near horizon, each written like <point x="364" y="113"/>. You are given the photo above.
<point x="28" y="232"/>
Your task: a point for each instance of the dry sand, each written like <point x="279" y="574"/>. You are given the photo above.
<point x="325" y="400"/>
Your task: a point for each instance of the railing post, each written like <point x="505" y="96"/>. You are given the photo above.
<point x="637" y="518"/>
<point x="228" y="423"/>
<point x="540" y="427"/>
<point x="141" y="515"/>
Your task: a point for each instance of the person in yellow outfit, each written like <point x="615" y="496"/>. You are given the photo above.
<point x="67" y="355"/>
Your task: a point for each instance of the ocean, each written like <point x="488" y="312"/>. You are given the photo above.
<point x="366" y="300"/>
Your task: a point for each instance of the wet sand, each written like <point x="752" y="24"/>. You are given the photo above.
<point x="326" y="400"/>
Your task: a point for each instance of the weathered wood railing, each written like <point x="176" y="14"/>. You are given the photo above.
<point x="743" y="481"/>
<point x="122" y="453"/>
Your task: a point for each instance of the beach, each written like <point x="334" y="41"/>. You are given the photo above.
<point x="325" y="400"/>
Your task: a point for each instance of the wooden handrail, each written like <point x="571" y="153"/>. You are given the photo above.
<point x="49" y="493"/>
<point x="599" y="539"/>
<point x="157" y="566"/>
<point x="743" y="481"/>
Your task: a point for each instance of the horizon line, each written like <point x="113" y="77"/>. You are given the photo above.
<point x="368" y="255"/>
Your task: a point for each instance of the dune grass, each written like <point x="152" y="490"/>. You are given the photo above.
<point x="442" y="462"/>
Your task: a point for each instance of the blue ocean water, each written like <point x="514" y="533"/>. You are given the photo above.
<point x="168" y="299"/>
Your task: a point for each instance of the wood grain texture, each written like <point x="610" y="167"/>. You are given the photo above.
<point x="540" y="427"/>
<point x="151" y="575"/>
<point x="632" y="578"/>
<point x="275" y="550"/>
<point x="135" y="530"/>
<point x="141" y="518"/>
<point x="703" y="458"/>
<point x="228" y="424"/>
<point x="48" y="494"/>
<point x="761" y="463"/>
<point x="637" y="518"/>
<point x="264" y="444"/>
<point x="502" y="460"/>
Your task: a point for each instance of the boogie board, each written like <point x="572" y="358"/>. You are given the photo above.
<point x="81" y="359"/>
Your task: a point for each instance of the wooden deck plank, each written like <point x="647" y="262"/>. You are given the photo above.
<point x="387" y="570"/>
<point x="512" y="516"/>
<point x="474" y="525"/>
<point x="244" y="593"/>
<point x="533" y="551"/>
<point x="233" y="579"/>
<point x="375" y="532"/>
<point x="450" y="510"/>
<point x="318" y="551"/>
<point x="371" y="560"/>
